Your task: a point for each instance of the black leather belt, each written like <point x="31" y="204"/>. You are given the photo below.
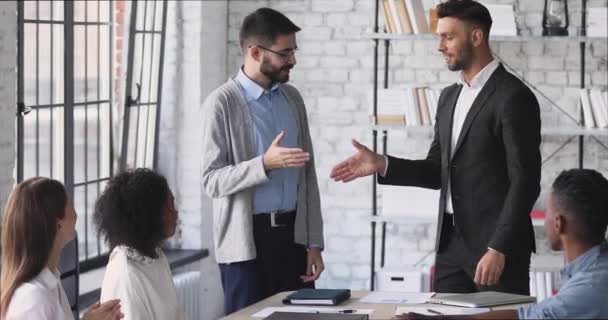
<point x="275" y="219"/>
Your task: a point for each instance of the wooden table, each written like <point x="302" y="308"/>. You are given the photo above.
<point x="381" y="310"/>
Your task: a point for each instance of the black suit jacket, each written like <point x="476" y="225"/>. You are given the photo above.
<point x="495" y="170"/>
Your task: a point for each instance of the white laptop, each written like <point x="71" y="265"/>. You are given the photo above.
<point x="483" y="299"/>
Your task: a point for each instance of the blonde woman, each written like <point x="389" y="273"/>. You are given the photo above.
<point x="38" y="222"/>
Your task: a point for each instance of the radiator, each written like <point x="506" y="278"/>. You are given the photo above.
<point x="189" y="293"/>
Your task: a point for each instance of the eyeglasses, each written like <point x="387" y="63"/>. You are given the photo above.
<point x="286" y="54"/>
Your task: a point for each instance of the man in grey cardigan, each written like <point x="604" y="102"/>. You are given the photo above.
<point x="258" y="166"/>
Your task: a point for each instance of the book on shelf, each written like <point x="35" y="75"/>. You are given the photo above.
<point x="406" y="106"/>
<point x="503" y="20"/>
<point x="597" y="22"/>
<point x="389" y="24"/>
<point x="393" y="10"/>
<point x="405" y="16"/>
<point x="595" y="108"/>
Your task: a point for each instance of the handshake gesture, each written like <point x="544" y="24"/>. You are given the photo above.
<point x="277" y="157"/>
<point x="363" y="163"/>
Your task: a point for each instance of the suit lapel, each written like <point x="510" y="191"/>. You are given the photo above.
<point x="446" y="126"/>
<point x="479" y="102"/>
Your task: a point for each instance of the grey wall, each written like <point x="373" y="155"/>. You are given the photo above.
<point x="195" y="64"/>
<point x="8" y="96"/>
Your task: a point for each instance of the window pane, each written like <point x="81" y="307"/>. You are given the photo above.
<point x="150" y="134"/>
<point x="79" y="10"/>
<point x="145" y="69"/>
<point x="158" y="21"/>
<point x="141" y="10"/>
<point x="30" y="48"/>
<point x="104" y="10"/>
<point x="44" y="10"/>
<point x="29" y="10"/>
<point x="92" y="195"/>
<point x="44" y="142"/>
<point x="44" y="67"/>
<point x="57" y="10"/>
<point x="92" y="150"/>
<point x="141" y="136"/>
<point x="92" y="64"/>
<point x="138" y="48"/>
<point x="150" y="14"/>
<point x="80" y="48"/>
<point x="104" y="245"/>
<point x="79" y="206"/>
<point x="92" y="7"/>
<point x="105" y="147"/>
<point x="104" y="63"/>
<point x="80" y="143"/>
<point x="154" y="70"/>
<point x="29" y="145"/>
<point x="58" y="65"/>
<point x="57" y="138"/>
<point x="131" y="140"/>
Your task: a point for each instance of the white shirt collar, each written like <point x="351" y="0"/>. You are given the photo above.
<point x="49" y="278"/>
<point x="481" y="77"/>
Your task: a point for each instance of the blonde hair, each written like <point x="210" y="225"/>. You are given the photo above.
<point x="29" y="228"/>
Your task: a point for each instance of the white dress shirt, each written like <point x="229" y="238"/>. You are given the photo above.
<point x="465" y="100"/>
<point x="41" y="298"/>
<point x="143" y="285"/>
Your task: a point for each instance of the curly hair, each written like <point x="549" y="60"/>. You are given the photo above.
<point x="129" y="211"/>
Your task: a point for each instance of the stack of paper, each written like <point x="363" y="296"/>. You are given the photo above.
<point x="597" y="22"/>
<point x="440" y="310"/>
<point x="503" y="20"/>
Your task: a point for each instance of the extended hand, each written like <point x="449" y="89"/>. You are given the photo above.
<point x="278" y="157"/>
<point x="109" y="310"/>
<point x="314" y="265"/>
<point x="363" y="163"/>
<point x="489" y="268"/>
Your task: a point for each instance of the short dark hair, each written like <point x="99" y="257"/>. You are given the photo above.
<point x="468" y="11"/>
<point x="129" y="211"/>
<point x="263" y="26"/>
<point x="582" y="194"/>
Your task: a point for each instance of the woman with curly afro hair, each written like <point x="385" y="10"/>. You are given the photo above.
<point x="134" y="214"/>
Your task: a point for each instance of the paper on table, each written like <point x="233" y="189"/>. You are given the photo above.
<point x="270" y="310"/>
<point x="397" y="297"/>
<point x="442" y="310"/>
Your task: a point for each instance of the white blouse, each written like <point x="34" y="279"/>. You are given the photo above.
<point x="143" y="285"/>
<point x="41" y="298"/>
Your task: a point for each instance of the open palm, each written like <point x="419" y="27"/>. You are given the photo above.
<point x="361" y="164"/>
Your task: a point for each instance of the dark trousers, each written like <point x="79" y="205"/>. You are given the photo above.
<point x="455" y="266"/>
<point x="278" y="266"/>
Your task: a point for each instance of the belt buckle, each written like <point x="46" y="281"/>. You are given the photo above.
<point x="273" y="221"/>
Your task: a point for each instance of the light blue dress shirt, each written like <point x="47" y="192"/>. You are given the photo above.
<point x="584" y="290"/>
<point x="271" y="113"/>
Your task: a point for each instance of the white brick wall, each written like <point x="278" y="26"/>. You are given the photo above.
<point x="8" y="96"/>
<point x="334" y="74"/>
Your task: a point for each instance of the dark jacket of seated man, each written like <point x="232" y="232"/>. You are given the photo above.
<point x="576" y="221"/>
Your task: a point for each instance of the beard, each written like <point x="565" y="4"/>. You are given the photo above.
<point x="464" y="59"/>
<point x="275" y="73"/>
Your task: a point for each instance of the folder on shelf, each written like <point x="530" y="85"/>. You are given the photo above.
<point x="388" y="18"/>
<point x="392" y="5"/>
<point x="417" y="16"/>
<point x="587" y="111"/>
<point x="424" y="107"/>
<point x="404" y="17"/>
<point x="309" y="296"/>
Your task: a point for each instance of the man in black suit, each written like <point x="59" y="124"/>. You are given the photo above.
<point x="484" y="157"/>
